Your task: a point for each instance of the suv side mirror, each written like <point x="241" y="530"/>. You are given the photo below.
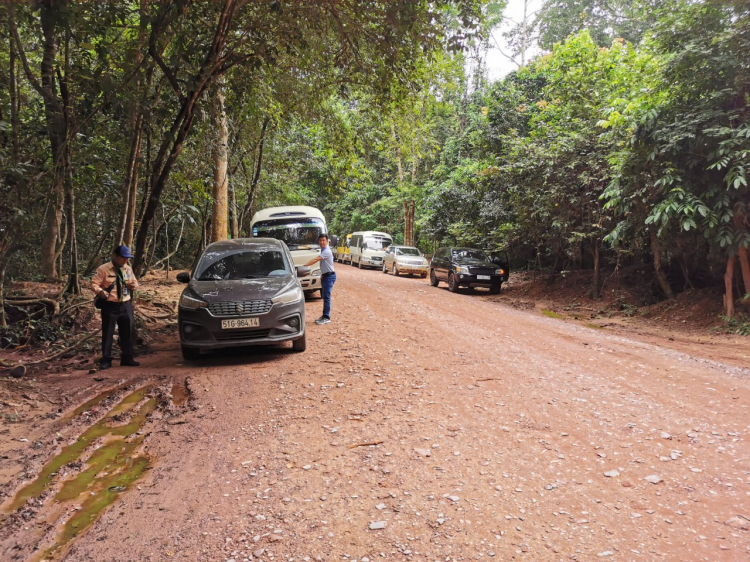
<point x="303" y="270"/>
<point x="183" y="277"/>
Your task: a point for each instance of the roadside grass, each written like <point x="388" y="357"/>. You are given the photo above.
<point x="739" y="325"/>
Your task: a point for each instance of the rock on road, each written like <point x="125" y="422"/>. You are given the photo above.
<point x="425" y="425"/>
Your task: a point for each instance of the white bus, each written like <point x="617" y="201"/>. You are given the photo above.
<point x="367" y="248"/>
<point x="299" y="227"/>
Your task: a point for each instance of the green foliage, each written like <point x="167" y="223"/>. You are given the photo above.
<point x="605" y="20"/>
<point x="739" y="325"/>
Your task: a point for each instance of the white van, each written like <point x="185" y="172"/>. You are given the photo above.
<point x="299" y="227"/>
<point x="367" y="248"/>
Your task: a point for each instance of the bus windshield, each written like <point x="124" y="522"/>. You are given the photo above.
<point x="297" y="233"/>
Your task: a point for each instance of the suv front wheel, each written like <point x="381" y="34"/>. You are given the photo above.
<point x="452" y="283"/>
<point x="433" y="279"/>
<point x="300" y="344"/>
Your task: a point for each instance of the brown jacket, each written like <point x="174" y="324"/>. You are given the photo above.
<point x="105" y="276"/>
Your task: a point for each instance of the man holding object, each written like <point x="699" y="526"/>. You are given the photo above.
<point x="114" y="282"/>
<point x="327" y="277"/>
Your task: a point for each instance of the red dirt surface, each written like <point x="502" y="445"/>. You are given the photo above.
<point x="467" y="426"/>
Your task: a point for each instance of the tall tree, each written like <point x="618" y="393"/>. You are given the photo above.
<point x="45" y="84"/>
<point x="220" y="210"/>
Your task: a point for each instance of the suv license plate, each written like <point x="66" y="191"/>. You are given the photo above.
<point x="240" y="323"/>
<point x="484" y="277"/>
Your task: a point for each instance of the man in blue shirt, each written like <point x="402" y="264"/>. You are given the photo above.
<point x="327" y="277"/>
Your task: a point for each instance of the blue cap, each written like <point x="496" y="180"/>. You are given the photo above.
<point x="123" y="252"/>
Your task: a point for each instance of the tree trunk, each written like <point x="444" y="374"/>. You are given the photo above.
<point x="219" y="212"/>
<point x="660" y="275"/>
<point x="55" y="120"/>
<point x="56" y="130"/>
<point x="234" y="226"/>
<point x="729" y="293"/>
<point x="14" y="104"/>
<point x="170" y="150"/>
<point x="73" y="286"/>
<point x="130" y="192"/>
<point x="745" y="268"/>
<point x="247" y="209"/>
<point x="409" y="223"/>
<point x="127" y="219"/>
<point x="596" y="281"/>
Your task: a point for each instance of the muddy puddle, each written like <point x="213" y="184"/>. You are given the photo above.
<point x="95" y="401"/>
<point x="180" y="393"/>
<point x="109" y="470"/>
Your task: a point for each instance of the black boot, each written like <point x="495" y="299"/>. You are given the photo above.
<point x="128" y="361"/>
<point x="105" y="364"/>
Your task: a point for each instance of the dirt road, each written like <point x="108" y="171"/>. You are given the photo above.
<point x="425" y="425"/>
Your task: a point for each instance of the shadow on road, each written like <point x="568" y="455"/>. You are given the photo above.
<point x="249" y="355"/>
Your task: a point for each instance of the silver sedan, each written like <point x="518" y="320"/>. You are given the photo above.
<point x="405" y="259"/>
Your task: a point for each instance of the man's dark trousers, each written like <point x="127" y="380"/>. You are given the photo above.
<point x="121" y="315"/>
<point x="326" y="282"/>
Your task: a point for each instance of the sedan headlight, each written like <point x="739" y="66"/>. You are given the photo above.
<point x="186" y="301"/>
<point x="499" y="272"/>
<point x="290" y="297"/>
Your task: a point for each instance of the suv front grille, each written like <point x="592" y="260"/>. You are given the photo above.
<point x="482" y="271"/>
<point x="240" y="308"/>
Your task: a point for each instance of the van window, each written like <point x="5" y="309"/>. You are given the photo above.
<point x="378" y="244"/>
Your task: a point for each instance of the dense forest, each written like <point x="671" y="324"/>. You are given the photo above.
<point x="166" y="125"/>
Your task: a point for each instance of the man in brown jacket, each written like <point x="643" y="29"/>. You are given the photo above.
<point x="114" y="281"/>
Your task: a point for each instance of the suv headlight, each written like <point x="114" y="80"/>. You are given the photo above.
<point x="290" y="297"/>
<point x="499" y="272"/>
<point x="191" y="303"/>
<point x="316" y="273"/>
<point x="462" y="269"/>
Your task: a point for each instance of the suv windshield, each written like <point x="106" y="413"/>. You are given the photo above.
<point x="243" y="264"/>
<point x="469" y="255"/>
<point x="299" y="234"/>
<point x="408" y="252"/>
<point x="376" y="243"/>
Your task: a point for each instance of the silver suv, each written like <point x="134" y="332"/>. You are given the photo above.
<point x="405" y="259"/>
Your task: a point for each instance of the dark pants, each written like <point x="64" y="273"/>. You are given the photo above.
<point x="326" y="287"/>
<point x="121" y="315"/>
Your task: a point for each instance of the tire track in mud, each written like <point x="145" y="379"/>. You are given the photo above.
<point x="77" y="484"/>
